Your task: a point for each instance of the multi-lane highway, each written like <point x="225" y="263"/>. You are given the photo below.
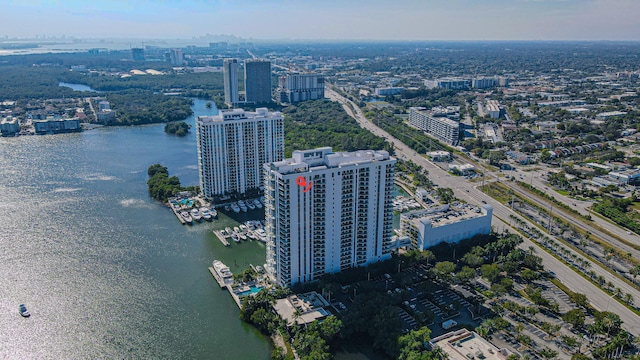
<point x="468" y="192"/>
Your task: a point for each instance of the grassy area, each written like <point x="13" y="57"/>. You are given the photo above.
<point x="499" y="192"/>
<point x="562" y="192"/>
<point x="635" y="206"/>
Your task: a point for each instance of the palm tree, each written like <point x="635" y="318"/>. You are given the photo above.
<point x="628" y="298"/>
<point x="618" y="292"/>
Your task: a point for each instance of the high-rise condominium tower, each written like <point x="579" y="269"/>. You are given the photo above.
<point x="327" y="212"/>
<point x="230" y="74"/>
<point x="233" y="146"/>
<point x="257" y="81"/>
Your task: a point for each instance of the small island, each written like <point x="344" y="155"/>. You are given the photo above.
<point x="161" y="186"/>
<point x="180" y="128"/>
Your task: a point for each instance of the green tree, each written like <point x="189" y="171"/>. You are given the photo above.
<point x="490" y="272"/>
<point x="579" y="299"/>
<point x="466" y="274"/>
<point x="445" y="195"/>
<point x="575" y="317"/>
<point x="444" y="269"/>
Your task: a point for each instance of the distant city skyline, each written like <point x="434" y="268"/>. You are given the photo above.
<point x="328" y="19"/>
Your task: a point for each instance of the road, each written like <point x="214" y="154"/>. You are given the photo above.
<point x="569" y="218"/>
<point x="468" y="192"/>
<point x="535" y="179"/>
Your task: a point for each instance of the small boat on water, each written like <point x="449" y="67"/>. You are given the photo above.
<point x="206" y="214"/>
<point x="243" y="228"/>
<point x="242" y="236"/>
<point x="228" y="230"/>
<point x="242" y="206"/>
<point x="235" y="238"/>
<point x="236" y="229"/>
<point x="186" y="217"/>
<point x="214" y="213"/>
<point x="262" y="199"/>
<point x="23" y="311"/>
<point x="251" y="235"/>
<point x="195" y="214"/>
<point x="227" y="208"/>
<point x="235" y="208"/>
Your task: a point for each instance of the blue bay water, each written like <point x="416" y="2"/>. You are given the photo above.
<point x="105" y="271"/>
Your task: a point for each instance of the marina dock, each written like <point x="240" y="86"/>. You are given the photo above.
<point x="222" y="238"/>
<point x="223" y="285"/>
<point x="180" y="218"/>
<point x="218" y="279"/>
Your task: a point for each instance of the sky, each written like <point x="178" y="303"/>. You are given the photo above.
<point x="325" y="19"/>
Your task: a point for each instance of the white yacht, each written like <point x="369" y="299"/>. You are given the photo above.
<point x="186" y="217"/>
<point x="223" y="271"/>
<point x="262" y="235"/>
<point x="235" y="208"/>
<point x="195" y="214"/>
<point x="214" y="212"/>
<point x="257" y="203"/>
<point x="206" y="214"/>
<point x="242" y="206"/>
<point x="251" y="205"/>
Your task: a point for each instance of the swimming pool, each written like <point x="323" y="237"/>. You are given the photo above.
<point x="252" y="290"/>
<point x="187" y="202"/>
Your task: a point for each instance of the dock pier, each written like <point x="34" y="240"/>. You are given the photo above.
<point x="222" y="239"/>
<point x="177" y="214"/>
<point x="218" y="279"/>
<point x="223" y="285"/>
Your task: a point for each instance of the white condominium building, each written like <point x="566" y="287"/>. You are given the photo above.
<point x="233" y="146"/>
<point x="327" y="212"/>
<point x="442" y="128"/>
<point x="295" y="88"/>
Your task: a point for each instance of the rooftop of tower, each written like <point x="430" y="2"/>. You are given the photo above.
<point x="324" y="158"/>
<point x="240" y="114"/>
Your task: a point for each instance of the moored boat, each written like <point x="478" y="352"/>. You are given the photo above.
<point x="235" y="238"/>
<point x="214" y="213"/>
<point x="257" y="203"/>
<point x="223" y="272"/>
<point x="235" y="208"/>
<point x="251" y="205"/>
<point x="262" y="235"/>
<point x="186" y="217"/>
<point x="206" y="214"/>
<point x="242" y="206"/>
<point x="195" y="214"/>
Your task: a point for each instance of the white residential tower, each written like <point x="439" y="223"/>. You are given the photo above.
<point x="327" y="212"/>
<point x="233" y="146"/>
